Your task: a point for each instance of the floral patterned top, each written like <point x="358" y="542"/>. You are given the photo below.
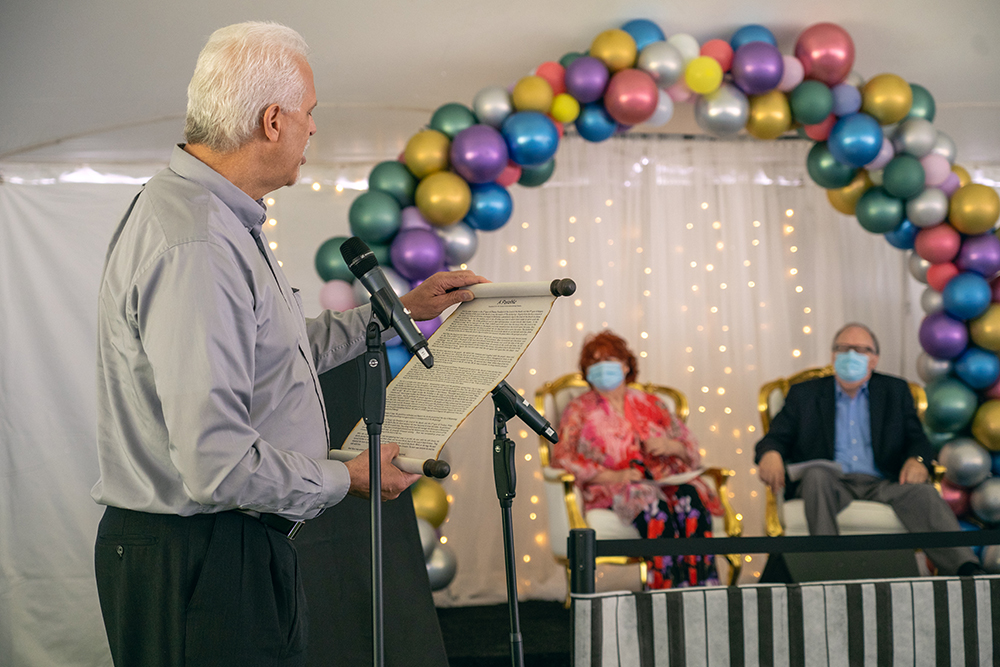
<point x="593" y="438"/>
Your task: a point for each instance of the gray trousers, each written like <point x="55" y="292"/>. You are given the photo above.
<point x="919" y="507"/>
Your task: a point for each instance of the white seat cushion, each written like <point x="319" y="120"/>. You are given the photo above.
<point x="861" y="517"/>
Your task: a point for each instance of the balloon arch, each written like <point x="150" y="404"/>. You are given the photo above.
<point x="876" y="153"/>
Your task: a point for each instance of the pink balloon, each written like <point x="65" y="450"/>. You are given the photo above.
<point x="938" y="244"/>
<point x="994" y="391"/>
<point x="951" y="183"/>
<point x="885" y="155"/>
<point x="956" y="497"/>
<point x="936" y="169"/>
<point x="679" y="92"/>
<point x="411" y="218"/>
<point x="826" y="52"/>
<point x="820" y="131"/>
<point x="939" y="275"/>
<point x="631" y="96"/>
<point x="509" y="175"/>
<point x="793" y="74"/>
<point x="336" y="295"/>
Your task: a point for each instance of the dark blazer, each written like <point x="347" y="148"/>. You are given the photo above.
<point x="804" y="429"/>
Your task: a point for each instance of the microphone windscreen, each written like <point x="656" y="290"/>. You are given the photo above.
<point x="358" y="256"/>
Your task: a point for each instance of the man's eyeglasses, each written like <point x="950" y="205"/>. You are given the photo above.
<point x="861" y="349"/>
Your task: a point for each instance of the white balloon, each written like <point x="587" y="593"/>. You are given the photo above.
<point x="428" y="536"/>
<point x="664" y="110"/>
<point x="687" y="45"/>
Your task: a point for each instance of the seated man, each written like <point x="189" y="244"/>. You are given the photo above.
<point x="866" y="422"/>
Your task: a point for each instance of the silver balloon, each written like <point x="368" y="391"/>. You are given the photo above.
<point x="663" y="62"/>
<point x="460" y="242"/>
<point x="855" y="79"/>
<point x="492" y="105"/>
<point x="928" y="208"/>
<point x="664" y="110"/>
<point x="918" y="267"/>
<point x="966" y="462"/>
<point x="876" y="176"/>
<point x="944" y="145"/>
<point x="930" y="369"/>
<point x="915" y="136"/>
<point x="985" y="500"/>
<point x="723" y="112"/>
<point x="991" y="558"/>
<point x="398" y="283"/>
<point x="931" y="301"/>
<point x="441" y="566"/>
<point x="428" y="536"/>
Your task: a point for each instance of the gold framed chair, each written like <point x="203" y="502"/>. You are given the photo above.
<point x="861" y="517"/>
<point x="565" y="506"/>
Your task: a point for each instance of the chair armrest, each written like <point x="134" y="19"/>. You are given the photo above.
<point x="733" y="521"/>
<point x="772" y="514"/>
<point x="568" y="481"/>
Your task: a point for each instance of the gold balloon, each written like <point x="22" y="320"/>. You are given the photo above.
<point x="974" y="208"/>
<point x="963" y="176"/>
<point x="986" y="425"/>
<point x="532" y="93"/>
<point x="430" y="501"/>
<point x="887" y="98"/>
<point x="985" y="329"/>
<point x="845" y="199"/>
<point x="427" y="152"/>
<point x="443" y="198"/>
<point x="615" y="48"/>
<point x="770" y="116"/>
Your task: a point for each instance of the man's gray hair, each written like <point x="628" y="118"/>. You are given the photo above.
<point x="243" y="69"/>
<point x="856" y="325"/>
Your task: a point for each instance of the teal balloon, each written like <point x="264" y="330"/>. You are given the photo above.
<point x="374" y="217"/>
<point x="532" y="177"/>
<point x="903" y="177"/>
<point x="452" y="118"/>
<point x="330" y="263"/>
<point x="938" y="440"/>
<point x="393" y="178"/>
<point x="951" y="404"/>
<point x="570" y="57"/>
<point x="811" y="102"/>
<point x="381" y="252"/>
<point x="879" y="212"/>
<point x="923" y="103"/>
<point x="825" y="170"/>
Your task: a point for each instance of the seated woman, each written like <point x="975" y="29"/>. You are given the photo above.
<point x="615" y="439"/>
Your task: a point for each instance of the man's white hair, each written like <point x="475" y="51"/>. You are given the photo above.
<point x="243" y="69"/>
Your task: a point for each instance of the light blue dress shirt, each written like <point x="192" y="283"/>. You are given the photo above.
<point x="853" y="432"/>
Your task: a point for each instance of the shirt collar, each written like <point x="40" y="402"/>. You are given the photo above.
<point x="839" y="393"/>
<point x="250" y="212"/>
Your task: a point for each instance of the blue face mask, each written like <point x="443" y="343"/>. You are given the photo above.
<point x="850" y="366"/>
<point x="606" y="375"/>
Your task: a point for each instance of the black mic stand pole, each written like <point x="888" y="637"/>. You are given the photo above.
<point x="506" y="480"/>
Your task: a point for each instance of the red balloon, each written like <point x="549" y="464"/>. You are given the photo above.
<point x="559" y="127"/>
<point x="994" y="391"/>
<point x="509" y="175"/>
<point x="938" y="244"/>
<point x="720" y="50"/>
<point x="820" y="131"/>
<point x="956" y="497"/>
<point x="939" y="275"/>
<point x="555" y="74"/>
<point x="631" y="96"/>
<point x="826" y="52"/>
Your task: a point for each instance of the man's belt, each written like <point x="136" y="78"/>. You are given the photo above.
<point x="286" y="527"/>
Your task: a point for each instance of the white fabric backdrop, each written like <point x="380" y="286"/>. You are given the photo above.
<point x="663" y="196"/>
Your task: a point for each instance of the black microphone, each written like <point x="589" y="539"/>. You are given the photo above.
<point x="527" y="412"/>
<point x="388" y="308"/>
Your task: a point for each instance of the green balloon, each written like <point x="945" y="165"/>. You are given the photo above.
<point x="811" y="102"/>
<point x="923" y="104"/>
<point x="825" y="170"/>
<point x="903" y="177"/>
<point x="570" y="57"/>
<point x="330" y="263"/>
<point x="374" y="217"/>
<point x="938" y="440"/>
<point x="950" y="406"/>
<point x="532" y="177"/>
<point x="879" y="212"/>
<point x="452" y="118"/>
<point x="381" y="252"/>
<point x="392" y="177"/>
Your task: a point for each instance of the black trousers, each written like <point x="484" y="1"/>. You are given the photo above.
<point x="213" y="590"/>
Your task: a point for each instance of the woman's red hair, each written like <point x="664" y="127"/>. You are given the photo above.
<point x="606" y="345"/>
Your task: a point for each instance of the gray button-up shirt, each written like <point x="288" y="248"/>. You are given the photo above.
<point x="208" y="394"/>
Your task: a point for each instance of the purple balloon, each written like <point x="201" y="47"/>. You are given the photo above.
<point x="479" y="153"/>
<point x="980" y="254"/>
<point x="427" y="327"/>
<point x="951" y="183"/>
<point x="757" y="67"/>
<point x="411" y="218"/>
<point x="416" y="253"/>
<point x="846" y="99"/>
<point x="943" y="337"/>
<point x="586" y="79"/>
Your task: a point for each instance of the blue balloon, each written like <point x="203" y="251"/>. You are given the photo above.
<point x="397" y="356"/>
<point x="531" y="137"/>
<point x="846" y="99"/>
<point x="855" y="139"/>
<point x="490" y="208"/>
<point x="594" y="123"/>
<point x="978" y="368"/>
<point x="644" y="32"/>
<point x="966" y="296"/>
<point x="752" y="33"/>
<point x="967" y="526"/>
<point x="902" y="237"/>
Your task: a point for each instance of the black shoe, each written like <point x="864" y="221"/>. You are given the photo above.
<point x="970" y="569"/>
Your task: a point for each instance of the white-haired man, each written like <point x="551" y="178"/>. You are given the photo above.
<point x="212" y="435"/>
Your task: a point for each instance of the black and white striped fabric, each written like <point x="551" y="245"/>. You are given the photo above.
<point x="878" y="623"/>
